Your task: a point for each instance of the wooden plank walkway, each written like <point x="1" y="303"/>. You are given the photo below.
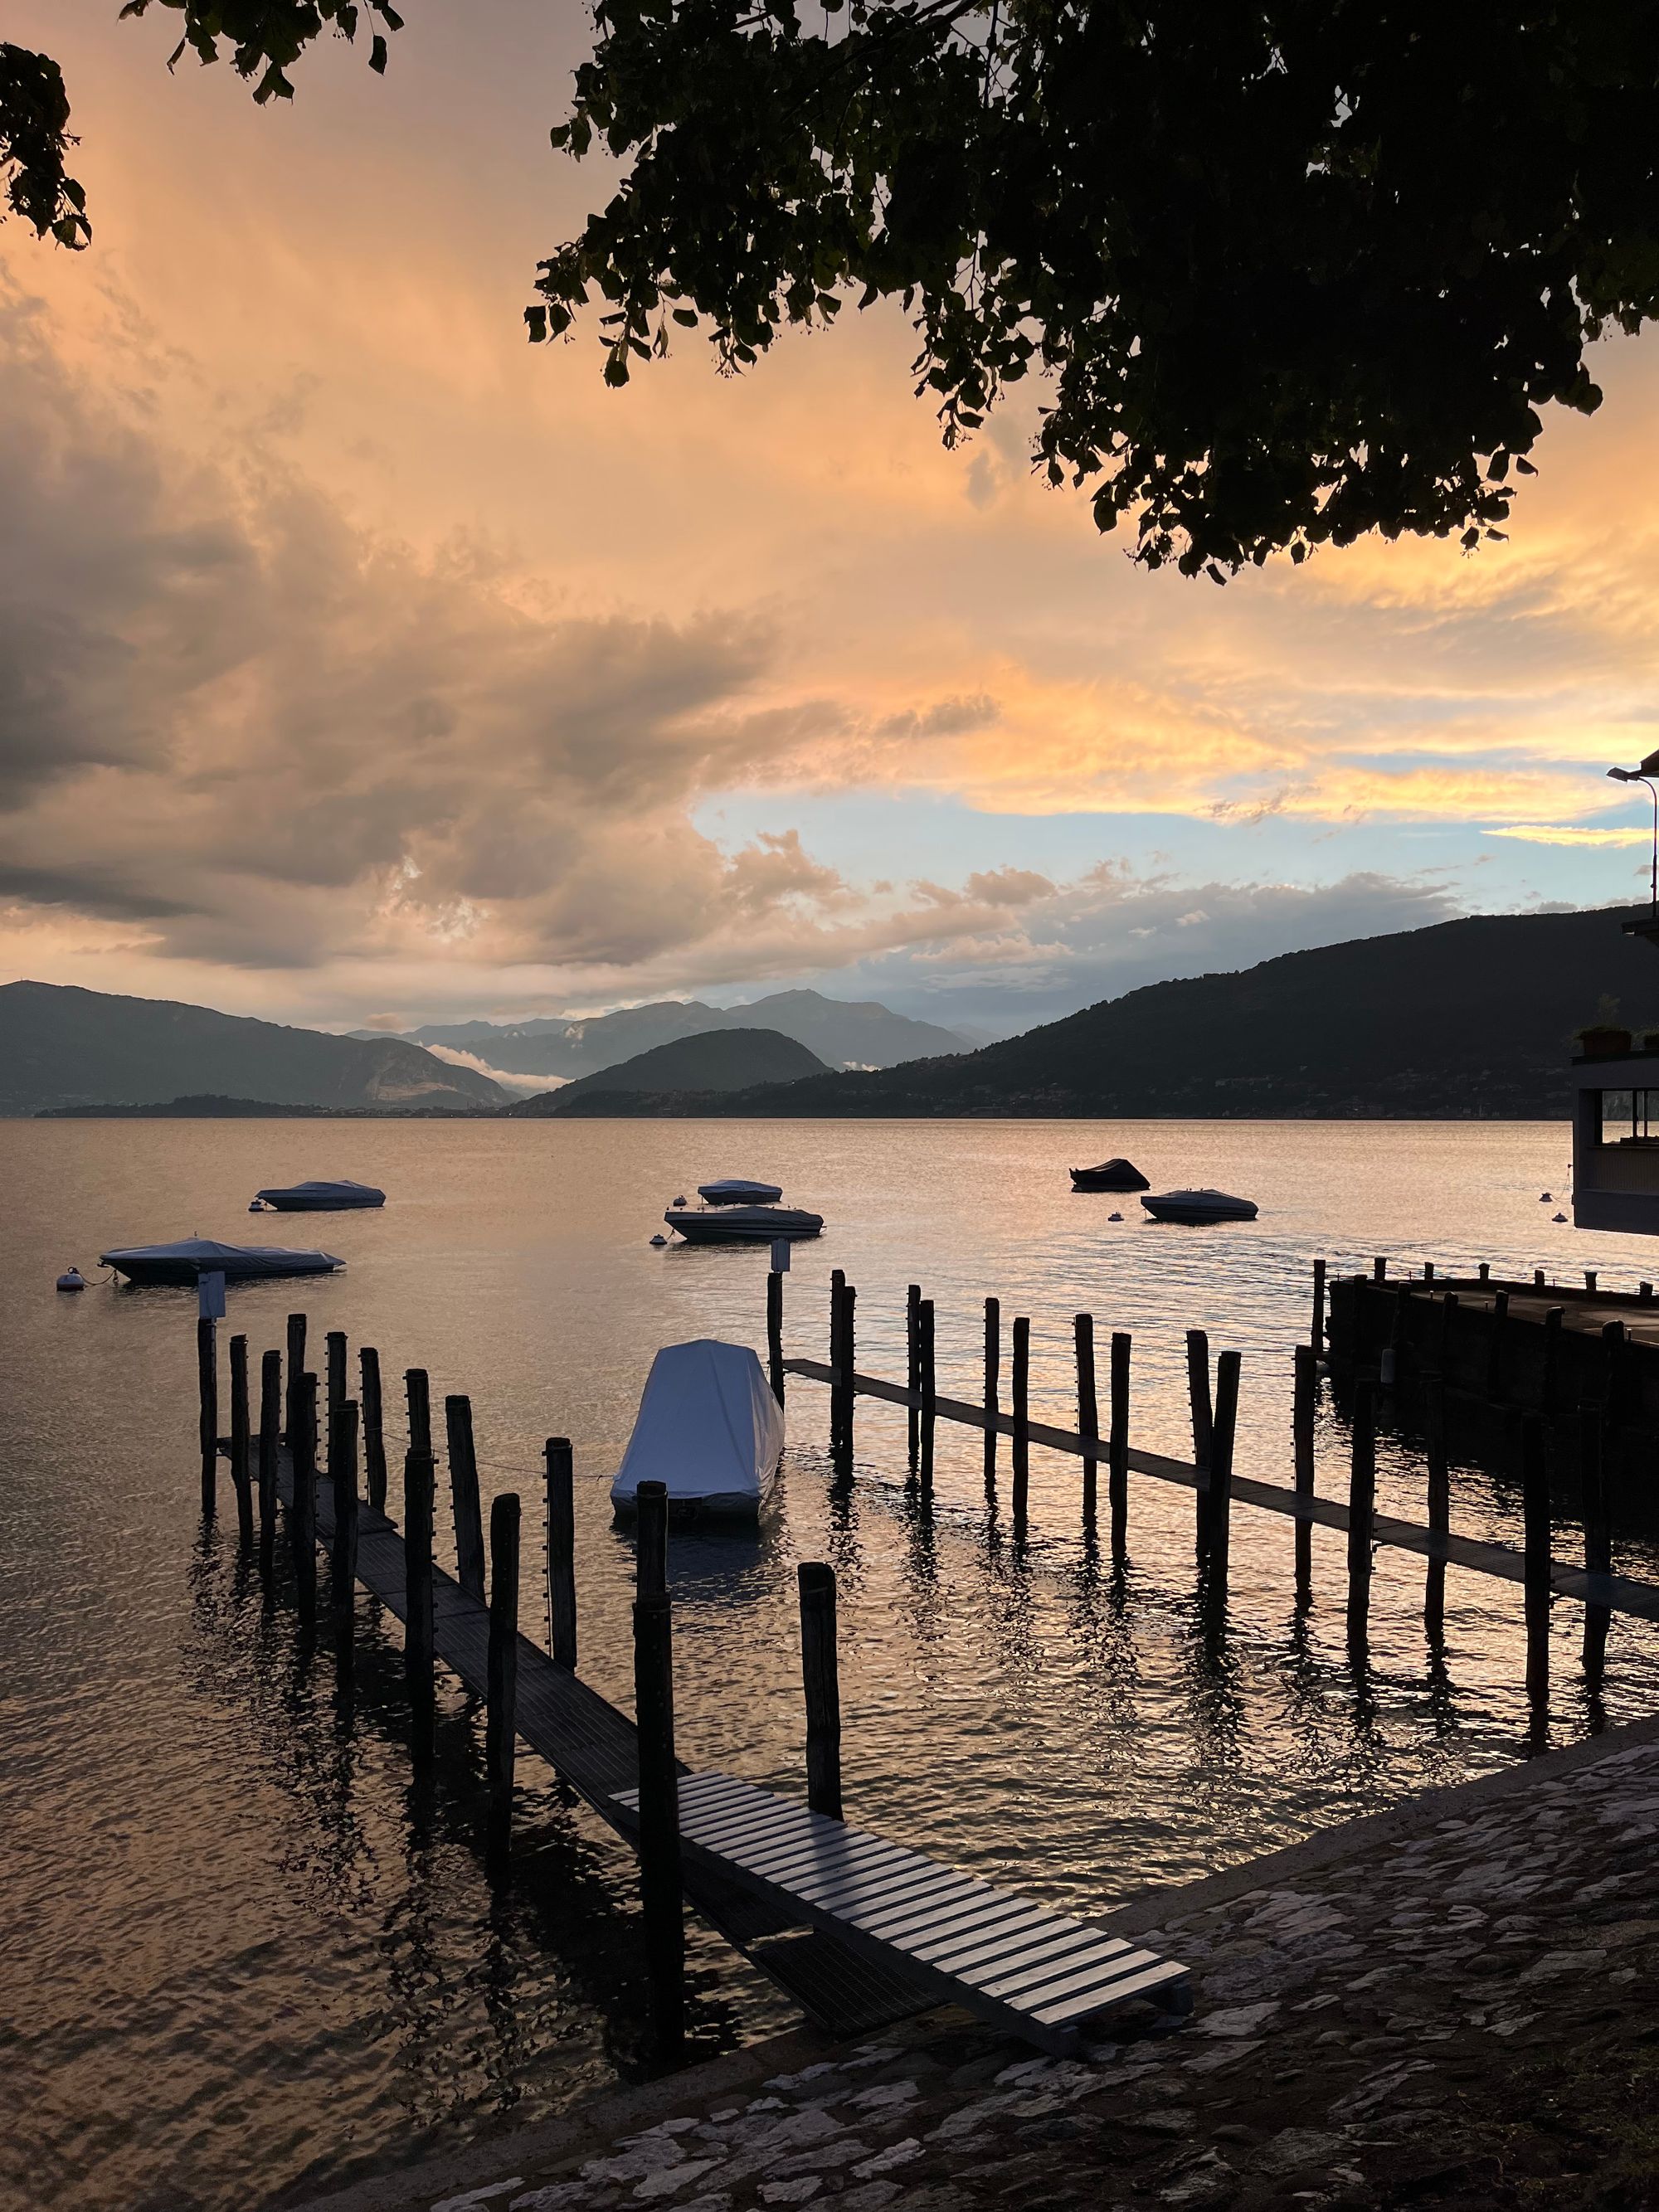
<point x="1618" y="1593"/>
<point x="1033" y="1971"/>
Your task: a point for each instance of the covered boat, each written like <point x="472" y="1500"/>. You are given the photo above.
<point x="322" y="1197"/>
<point x="192" y="1257"/>
<point x="733" y="1190"/>
<point x="1110" y="1175"/>
<point x="708" y="1428"/>
<point x="1198" y="1206"/>
<point x="742" y="1224"/>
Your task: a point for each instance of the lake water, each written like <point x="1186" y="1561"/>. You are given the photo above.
<point x="246" y="1955"/>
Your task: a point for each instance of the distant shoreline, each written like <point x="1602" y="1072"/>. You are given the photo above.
<point x="708" y="1108"/>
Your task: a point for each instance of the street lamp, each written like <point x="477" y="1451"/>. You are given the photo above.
<point x="1645" y="775"/>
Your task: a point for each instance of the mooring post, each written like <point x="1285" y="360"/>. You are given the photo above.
<point x="1117" y="1448"/>
<point x="774" y="1332"/>
<point x="342" y="1477"/>
<point x="1443" y="1349"/>
<point x="660" y="1817"/>
<point x="1224" y="1427"/>
<point x="1598" y="1536"/>
<point x="1439" y="1501"/>
<point x="1500" y="1315"/>
<point x="1020" y="1390"/>
<point x="837" y="1318"/>
<point x="1305" y="1389"/>
<point x="1316" y="1330"/>
<point x="368" y="1364"/>
<point x="207" y="1391"/>
<point x="913" y="1369"/>
<point x="1538" y="1279"/>
<point x="1589" y="1280"/>
<point x="651" y="1539"/>
<point x="1198" y="1393"/>
<point x="1088" y="1410"/>
<point x="1428" y="1271"/>
<point x="1612" y="1376"/>
<point x="1644" y="1293"/>
<point x="1535" y="1519"/>
<point x="302" y="1449"/>
<point x="240" y="1452"/>
<point x="270" y="1429"/>
<point x="560" y="1466"/>
<point x="419" y="1480"/>
<point x="993" y="1386"/>
<point x="464" y="1496"/>
<point x="417" y="1395"/>
<point x="296" y="1368"/>
<point x="1362" y="1508"/>
<point x="929" y="1392"/>
<point x="1379" y="1269"/>
<point x="337" y="1384"/>
<point x="816" y="1583"/>
<point x="849" y="1299"/>
<point x="1483" y="1271"/>
<point x="1549" y="1380"/>
<point x="501" y="1720"/>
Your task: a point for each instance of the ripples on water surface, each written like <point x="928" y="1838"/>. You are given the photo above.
<point x="245" y="1954"/>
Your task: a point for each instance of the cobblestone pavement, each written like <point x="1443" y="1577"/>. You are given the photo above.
<point x="1462" y="2015"/>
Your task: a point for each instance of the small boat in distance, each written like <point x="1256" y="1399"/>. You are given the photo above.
<point x="321" y="1197"/>
<point x="1110" y="1175"/>
<point x="192" y="1257"/>
<point x="1196" y="1207"/>
<point x="733" y="1190"/>
<point x="742" y="1224"/>
<point x="708" y="1429"/>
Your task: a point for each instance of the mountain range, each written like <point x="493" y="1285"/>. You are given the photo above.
<point x="724" y="1060"/>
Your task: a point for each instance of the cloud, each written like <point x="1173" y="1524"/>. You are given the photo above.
<point x="1546" y="834"/>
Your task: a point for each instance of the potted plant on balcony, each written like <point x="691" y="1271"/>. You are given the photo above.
<point x="1602" y="1040"/>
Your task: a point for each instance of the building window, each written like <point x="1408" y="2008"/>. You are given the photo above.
<point x="1630" y="1117"/>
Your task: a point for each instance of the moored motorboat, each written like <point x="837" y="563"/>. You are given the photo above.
<point x="742" y="1224"/>
<point x="1110" y="1175"/>
<point x="1199" y="1206"/>
<point x="708" y="1429"/>
<point x="735" y="1190"/>
<point x="192" y="1257"/>
<point x="321" y="1197"/>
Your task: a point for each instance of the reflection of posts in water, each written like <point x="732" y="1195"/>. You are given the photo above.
<point x="1362" y="1508"/>
<point x="561" y="1552"/>
<point x="464" y="1496"/>
<point x="207" y="1392"/>
<point x="342" y="1476"/>
<point x="503" y="1679"/>
<point x="1305" y="1391"/>
<point x="1020" y="1455"/>
<point x="240" y="1474"/>
<point x="929" y="1391"/>
<point x="993" y="1385"/>
<point x="1088" y="1409"/>
<point x="1598" y="1536"/>
<point x="659" y="1819"/>
<point x="1439" y="1504"/>
<point x="912" y="1369"/>
<point x="1198" y="1395"/>
<point x="651" y="1539"/>
<point x="368" y="1364"/>
<point x="418" y="1481"/>
<point x="271" y="1420"/>
<point x="1535" y="1565"/>
<point x="1117" y="1470"/>
<point x="820" y="1681"/>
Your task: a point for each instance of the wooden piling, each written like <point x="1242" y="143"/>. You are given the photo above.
<point x="342" y="1478"/>
<point x="502" y="1674"/>
<point x="1589" y="1280"/>
<point x="1483" y="1271"/>
<point x="1362" y="1508"/>
<point x="240" y="1452"/>
<point x="1224" y="1424"/>
<point x="336" y="1346"/>
<point x="929" y="1392"/>
<point x="1538" y="1279"/>
<point x="1428" y="1271"/>
<point x="561" y="1552"/>
<point x="1020" y="1391"/>
<point x="660" y="1819"/>
<point x="1088" y="1409"/>
<point x="464" y="1495"/>
<point x="1598" y="1536"/>
<point x="271" y="1434"/>
<point x="1612" y="1377"/>
<point x="651" y="1539"/>
<point x="774" y="1332"/>
<point x="1535" y="1520"/>
<point x="295" y="1370"/>
<point x="1117" y="1448"/>
<point x="1496" y="1336"/>
<point x="849" y="1299"/>
<point x="816" y="1583"/>
<point x="1317" y="1331"/>
<point x="993" y="1385"/>
<point x="1443" y="1339"/>
<point x="1305" y="1394"/>
<point x="837" y="1387"/>
<point x="1549" y="1380"/>
<point x="913" y="1369"/>
<point x="1379" y="1269"/>
<point x="1439" y="1504"/>
<point x="302" y="1448"/>
<point x="417" y="1395"/>
<point x="1198" y="1395"/>
<point x="368" y="1365"/>
<point x="419" y="1481"/>
<point x="207" y="1392"/>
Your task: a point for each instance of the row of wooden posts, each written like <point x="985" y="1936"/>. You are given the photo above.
<point x="1213" y="1412"/>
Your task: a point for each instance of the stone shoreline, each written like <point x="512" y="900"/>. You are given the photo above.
<point x="1451" y="2002"/>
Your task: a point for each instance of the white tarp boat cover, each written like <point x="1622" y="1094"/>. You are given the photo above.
<point x="737" y="1190"/>
<point x="192" y="1257"/>
<point x="708" y="1427"/>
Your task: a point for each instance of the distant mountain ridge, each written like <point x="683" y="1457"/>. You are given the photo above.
<point x="64" y="1046"/>
<point x="841" y="1032"/>
<point x="723" y="1060"/>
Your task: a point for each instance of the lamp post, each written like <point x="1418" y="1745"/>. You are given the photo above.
<point x="1636" y="775"/>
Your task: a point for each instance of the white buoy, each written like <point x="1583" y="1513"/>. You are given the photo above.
<point x="72" y="1280"/>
